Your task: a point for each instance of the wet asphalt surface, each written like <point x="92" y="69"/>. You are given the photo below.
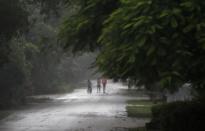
<point x="77" y="111"/>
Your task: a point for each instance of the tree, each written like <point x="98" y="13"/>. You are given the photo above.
<point x="15" y="73"/>
<point x="13" y="21"/>
<point x="13" y="17"/>
<point x="48" y="7"/>
<point x="81" y="31"/>
<point x="152" y="41"/>
<point x="18" y="52"/>
<point x="156" y="41"/>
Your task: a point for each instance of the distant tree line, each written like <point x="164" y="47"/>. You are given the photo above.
<point x="31" y="60"/>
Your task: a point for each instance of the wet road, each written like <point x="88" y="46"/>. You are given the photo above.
<point x="77" y="111"/>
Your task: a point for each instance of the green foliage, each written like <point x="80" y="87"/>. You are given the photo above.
<point x="13" y="21"/>
<point x="81" y="31"/>
<point x="42" y="35"/>
<point x="15" y="73"/>
<point x="155" y="41"/>
<point x="53" y="71"/>
<point x="152" y="41"/>
<point x="49" y="7"/>
<point x="178" y="116"/>
<point x="13" y="65"/>
<point x="13" y="18"/>
<point x="29" y="55"/>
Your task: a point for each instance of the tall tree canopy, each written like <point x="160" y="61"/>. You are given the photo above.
<point x="153" y="41"/>
<point x="13" y="17"/>
<point x="156" y="41"/>
<point x="13" y="20"/>
<point x="31" y="61"/>
<point x="82" y="29"/>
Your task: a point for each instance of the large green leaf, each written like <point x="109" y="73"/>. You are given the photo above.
<point x="174" y="22"/>
<point x="141" y="41"/>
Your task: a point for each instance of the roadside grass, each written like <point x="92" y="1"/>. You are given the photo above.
<point x="66" y="88"/>
<point x="4" y="114"/>
<point x="38" y="100"/>
<point x="45" y="97"/>
<point x="139" y="108"/>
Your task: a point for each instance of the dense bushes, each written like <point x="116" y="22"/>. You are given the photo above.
<point x="178" y="116"/>
<point x="31" y="60"/>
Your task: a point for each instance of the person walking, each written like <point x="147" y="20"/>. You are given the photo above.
<point x="98" y="85"/>
<point x="104" y="83"/>
<point x="89" y="90"/>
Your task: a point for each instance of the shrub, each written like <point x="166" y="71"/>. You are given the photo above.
<point x="178" y="116"/>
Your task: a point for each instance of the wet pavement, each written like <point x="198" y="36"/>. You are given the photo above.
<point x="77" y="111"/>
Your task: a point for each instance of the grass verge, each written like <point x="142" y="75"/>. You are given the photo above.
<point x="38" y="100"/>
<point x="139" y="108"/>
<point x="4" y="114"/>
